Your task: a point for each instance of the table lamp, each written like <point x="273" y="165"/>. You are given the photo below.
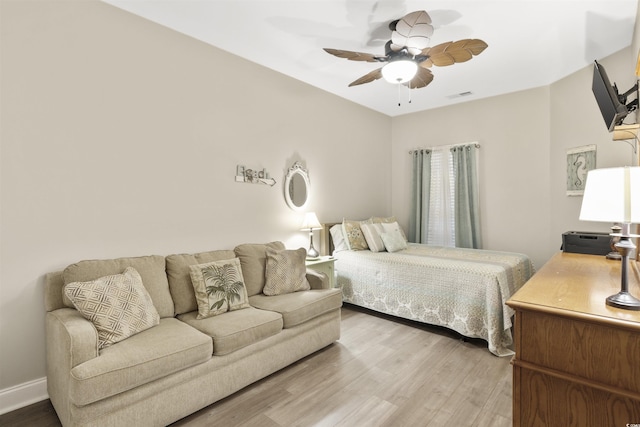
<point x="613" y="195"/>
<point x="311" y="223"/>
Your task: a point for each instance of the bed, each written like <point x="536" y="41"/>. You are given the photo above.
<point x="461" y="289"/>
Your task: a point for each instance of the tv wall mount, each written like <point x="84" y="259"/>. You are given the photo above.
<point x="633" y="105"/>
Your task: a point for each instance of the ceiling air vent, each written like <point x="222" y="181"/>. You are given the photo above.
<point x="460" y="95"/>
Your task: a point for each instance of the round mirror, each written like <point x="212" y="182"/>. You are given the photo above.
<point x="296" y="187"/>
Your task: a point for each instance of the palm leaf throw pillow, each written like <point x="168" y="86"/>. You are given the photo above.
<point x="219" y="287"/>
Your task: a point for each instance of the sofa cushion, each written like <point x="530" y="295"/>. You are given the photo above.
<point x="155" y="353"/>
<point x="236" y="329"/>
<point x="253" y="258"/>
<point x="298" y="307"/>
<point x="219" y="287"/>
<point x="285" y="271"/>
<point x="151" y="269"/>
<point x="118" y="305"/>
<point x="180" y="285"/>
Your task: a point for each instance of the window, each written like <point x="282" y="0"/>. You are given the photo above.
<point x="441" y="227"/>
<point x="444" y="196"/>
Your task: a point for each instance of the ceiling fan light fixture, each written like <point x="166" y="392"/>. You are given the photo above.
<point x="401" y="71"/>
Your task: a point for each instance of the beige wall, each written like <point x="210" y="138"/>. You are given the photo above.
<point x="513" y="131"/>
<point x="120" y="137"/>
<point x="576" y="121"/>
<point x="524" y="138"/>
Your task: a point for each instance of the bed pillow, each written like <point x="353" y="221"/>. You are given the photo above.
<point x="372" y="236"/>
<point x="394" y="226"/>
<point x="393" y="241"/>
<point x="339" y="244"/>
<point x="389" y="220"/>
<point x="353" y="234"/>
<point x="286" y="272"/>
<point x="219" y="287"/>
<point x="118" y="305"/>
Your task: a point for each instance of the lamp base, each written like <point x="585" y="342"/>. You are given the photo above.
<point x="614" y="255"/>
<point x="624" y="300"/>
<point x="312" y="253"/>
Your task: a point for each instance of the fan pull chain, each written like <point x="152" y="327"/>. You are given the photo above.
<point x="400" y="86"/>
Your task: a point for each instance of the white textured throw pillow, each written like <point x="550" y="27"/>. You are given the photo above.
<point x="393" y="226"/>
<point x="339" y="244"/>
<point x="393" y="241"/>
<point x="372" y="236"/>
<point x="118" y="305"/>
<point x="219" y="287"/>
<point x="286" y="272"/>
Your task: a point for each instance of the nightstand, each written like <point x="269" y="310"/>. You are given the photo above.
<point x="323" y="264"/>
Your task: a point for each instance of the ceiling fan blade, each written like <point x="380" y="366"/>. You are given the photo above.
<point x="368" y="78"/>
<point x="413" y="32"/>
<point x="450" y="53"/>
<point x="354" y="56"/>
<point x="422" y="78"/>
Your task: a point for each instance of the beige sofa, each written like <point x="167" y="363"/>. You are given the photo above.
<point x="182" y="364"/>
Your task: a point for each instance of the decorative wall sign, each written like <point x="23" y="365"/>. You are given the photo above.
<point x="580" y="160"/>
<point x="253" y="176"/>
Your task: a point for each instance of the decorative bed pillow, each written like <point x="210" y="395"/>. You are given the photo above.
<point x="389" y="220"/>
<point x="372" y="236"/>
<point x="393" y="241"/>
<point x="339" y="244"/>
<point x="286" y="272"/>
<point x="219" y="287"/>
<point x="394" y="226"/>
<point x="353" y="234"/>
<point x="118" y="305"/>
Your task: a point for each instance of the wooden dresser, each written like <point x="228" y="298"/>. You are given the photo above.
<point x="577" y="360"/>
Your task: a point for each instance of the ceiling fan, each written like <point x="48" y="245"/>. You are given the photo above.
<point x="408" y="56"/>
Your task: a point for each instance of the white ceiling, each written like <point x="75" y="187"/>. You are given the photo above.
<point x="531" y="42"/>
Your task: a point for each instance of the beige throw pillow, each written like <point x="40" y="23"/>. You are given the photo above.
<point x="253" y="259"/>
<point x="353" y="234"/>
<point x="219" y="287"/>
<point x="372" y="236"/>
<point x="286" y="271"/>
<point x="118" y="305"/>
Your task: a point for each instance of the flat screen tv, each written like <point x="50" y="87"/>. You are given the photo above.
<point x="610" y="102"/>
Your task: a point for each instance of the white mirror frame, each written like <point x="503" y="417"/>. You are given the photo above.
<point x="294" y="171"/>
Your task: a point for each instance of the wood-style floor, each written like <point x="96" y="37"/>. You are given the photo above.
<point x="382" y="372"/>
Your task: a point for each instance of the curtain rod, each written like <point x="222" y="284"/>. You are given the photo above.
<point x="444" y="147"/>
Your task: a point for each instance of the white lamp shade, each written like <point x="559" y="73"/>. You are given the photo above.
<point x="311" y="222"/>
<point x="612" y="195"/>
<point x="399" y="71"/>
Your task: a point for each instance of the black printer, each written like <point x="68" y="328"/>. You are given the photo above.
<point x="581" y="242"/>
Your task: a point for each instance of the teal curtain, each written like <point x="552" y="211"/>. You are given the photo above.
<point x="420" y="186"/>
<point x="466" y="205"/>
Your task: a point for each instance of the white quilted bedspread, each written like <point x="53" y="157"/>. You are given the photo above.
<point x="461" y="289"/>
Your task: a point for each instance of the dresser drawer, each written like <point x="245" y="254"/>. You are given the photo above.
<point x="545" y="400"/>
<point x="590" y="351"/>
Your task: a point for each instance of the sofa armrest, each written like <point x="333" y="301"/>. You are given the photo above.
<point x="71" y="335"/>
<point x="318" y="280"/>
<point x="71" y="340"/>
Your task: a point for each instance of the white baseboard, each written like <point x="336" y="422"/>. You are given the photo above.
<point x="23" y="395"/>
